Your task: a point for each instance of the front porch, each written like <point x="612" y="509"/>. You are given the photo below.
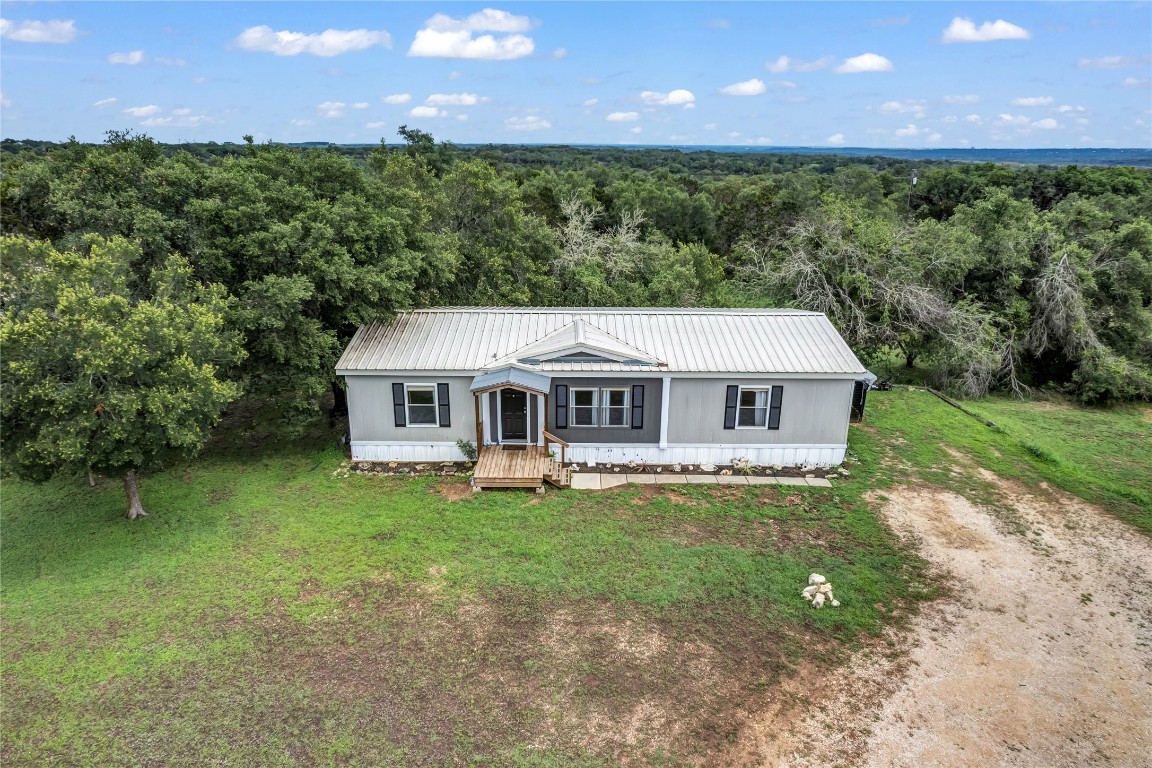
<point x="527" y="466"/>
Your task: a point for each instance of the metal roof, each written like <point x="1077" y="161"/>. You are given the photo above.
<point x="511" y="375"/>
<point x="685" y="340"/>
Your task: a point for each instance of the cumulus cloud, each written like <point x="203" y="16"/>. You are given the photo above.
<point x="131" y="58"/>
<point x="622" y="117"/>
<point x="54" y="31"/>
<point x="449" y="38"/>
<point x="678" y="97"/>
<point x="300" y="122"/>
<point x="935" y="137"/>
<point x="426" y="112"/>
<point x="397" y="98"/>
<point x="970" y="98"/>
<point x="331" y="109"/>
<point x="865" y="62"/>
<point x="966" y="31"/>
<point x="559" y="53"/>
<point x="146" y="111"/>
<point x="5" y="102"/>
<point x="453" y="99"/>
<point x="836" y="138"/>
<point x="974" y="119"/>
<point x="1032" y="101"/>
<point x="1007" y="119"/>
<point x="1068" y="108"/>
<point x="1046" y="124"/>
<point x="178" y="121"/>
<point x="1133" y="82"/>
<point x="529" y="123"/>
<point x="909" y="130"/>
<point x="360" y="105"/>
<point x="105" y="102"/>
<point x="753" y="87"/>
<point x="591" y="102"/>
<point x="914" y="107"/>
<point x="788" y="64"/>
<point x="330" y="42"/>
<point x="635" y="129"/>
<point x="1109" y="62"/>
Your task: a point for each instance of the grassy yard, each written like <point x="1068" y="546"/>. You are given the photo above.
<point x="271" y="613"/>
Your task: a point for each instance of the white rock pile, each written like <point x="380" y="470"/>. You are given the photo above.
<point x="818" y="591"/>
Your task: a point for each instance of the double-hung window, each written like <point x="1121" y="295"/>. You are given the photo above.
<point x="753" y="410"/>
<point x="420" y="403"/>
<point x="585" y="407"/>
<point x="614" y="407"/>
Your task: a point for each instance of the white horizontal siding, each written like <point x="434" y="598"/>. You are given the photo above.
<point x="363" y="450"/>
<point x="782" y="455"/>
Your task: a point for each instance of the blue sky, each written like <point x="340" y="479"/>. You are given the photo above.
<point x="913" y="74"/>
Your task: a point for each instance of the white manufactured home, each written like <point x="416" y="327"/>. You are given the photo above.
<point x="656" y="386"/>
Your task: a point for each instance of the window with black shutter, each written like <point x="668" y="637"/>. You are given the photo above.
<point x="730" y="401"/>
<point x="561" y="406"/>
<point x="774" y="408"/>
<point x="442" y="403"/>
<point x="637" y="406"/>
<point x="398" y="405"/>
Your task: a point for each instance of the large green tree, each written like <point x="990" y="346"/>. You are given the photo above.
<point x="103" y="369"/>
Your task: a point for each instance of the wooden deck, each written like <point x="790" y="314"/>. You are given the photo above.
<point x="529" y="467"/>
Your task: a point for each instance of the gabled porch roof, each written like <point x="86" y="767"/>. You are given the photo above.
<point x="577" y="338"/>
<point x="511" y="376"/>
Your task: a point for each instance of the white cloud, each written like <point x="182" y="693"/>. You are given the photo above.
<point x="966" y="31"/>
<point x="559" y="53"/>
<point x="462" y="118"/>
<point x="426" y="112"/>
<point x="331" y="109"/>
<point x="360" y="105"/>
<point x="301" y="122"/>
<point x="455" y="74"/>
<point x="678" y="97"/>
<point x="1032" y="101"/>
<point x="1133" y="82"/>
<point x="975" y="119"/>
<point x="54" y="31"/>
<point x="448" y="38"/>
<point x="622" y="117"/>
<point x="787" y="64"/>
<point x="735" y="135"/>
<point x="397" y="98"/>
<point x="1109" y="62"/>
<point x="167" y="62"/>
<point x="865" y="62"/>
<point x="951" y="119"/>
<point x="380" y="124"/>
<point x="131" y="58"/>
<point x="330" y="42"/>
<point x="591" y="102"/>
<point x="5" y="102"/>
<point x="147" y="111"/>
<point x="751" y="87"/>
<point x="909" y="130"/>
<point x="935" y="137"/>
<point x="181" y="121"/>
<point x="105" y="103"/>
<point x="1007" y="119"/>
<point x="530" y="123"/>
<point x="1065" y="109"/>
<point x="710" y="126"/>
<point x="970" y="98"/>
<point x="782" y="84"/>
<point x="635" y="129"/>
<point x="914" y="107"/>
<point x="453" y="99"/>
<point x="836" y="138"/>
<point x="1046" y="124"/>
<point x="182" y="111"/>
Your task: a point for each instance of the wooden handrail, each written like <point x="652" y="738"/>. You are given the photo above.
<point x="549" y="437"/>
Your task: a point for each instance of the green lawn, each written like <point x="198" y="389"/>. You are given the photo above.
<point x="269" y="612"/>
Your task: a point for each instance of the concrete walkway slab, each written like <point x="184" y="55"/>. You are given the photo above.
<point x="731" y="479"/>
<point x="792" y="481"/>
<point x="701" y="479"/>
<point x="818" y="482"/>
<point x="643" y="478"/>
<point x="753" y="480"/>
<point x="586" y="481"/>
<point x="671" y="480"/>
<point x="612" y="481"/>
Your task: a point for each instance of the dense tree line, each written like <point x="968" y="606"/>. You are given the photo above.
<point x="987" y="275"/>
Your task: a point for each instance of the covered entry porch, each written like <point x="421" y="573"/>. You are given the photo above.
<point x="514" y="447"/>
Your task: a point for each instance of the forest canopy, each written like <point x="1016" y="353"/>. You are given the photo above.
<point x="988" y="276"/>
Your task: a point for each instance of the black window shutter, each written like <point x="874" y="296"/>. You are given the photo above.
<point x="442" y="401"/>
<point x="774" y="408"/>
<point x="561" y="406"/>
<point x="637" y="406"/>
<point x="398" y="405"/>
<point x="730" y="406"/>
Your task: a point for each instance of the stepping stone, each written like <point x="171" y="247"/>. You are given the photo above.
<point x="586" y="481"/>
<point x="701" y="479"/>
<point x="732" y="479"/>
<point x="671" y="480"/>
<point x="642" y="479"/>
<point x="753" y="480"/>
<point x="612" y="481"/>
<point x="819" y="482"/>
<point x="792" y="481"/>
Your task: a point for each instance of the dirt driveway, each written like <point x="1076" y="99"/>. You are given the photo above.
<point x="1043" y="656"/>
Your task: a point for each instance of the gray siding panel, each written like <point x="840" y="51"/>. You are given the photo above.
<point x="649" y="434"/>
<point x="813" y="412"/>
<point x="370" y="410"/>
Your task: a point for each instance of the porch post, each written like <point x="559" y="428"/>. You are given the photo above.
<point x="479" y="423"/>
<point x="486" y="411"/>
<point x="665" y="398"/>
<point x="540" y="419"/>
